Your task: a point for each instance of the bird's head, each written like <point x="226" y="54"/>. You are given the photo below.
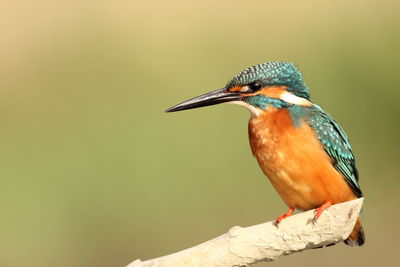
<point x="276" y="84"/>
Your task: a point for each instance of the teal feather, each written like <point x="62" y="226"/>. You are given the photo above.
<point x="273" y="74"/>
<point x="261" y="101"/>
<point x="335" y="143"/>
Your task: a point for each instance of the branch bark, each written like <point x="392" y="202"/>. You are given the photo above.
<point x="266" y="242"/>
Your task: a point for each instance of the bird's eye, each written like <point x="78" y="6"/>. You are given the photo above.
<point x="256" y="86"/>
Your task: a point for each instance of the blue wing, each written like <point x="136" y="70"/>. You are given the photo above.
<point x="336" y="145"/>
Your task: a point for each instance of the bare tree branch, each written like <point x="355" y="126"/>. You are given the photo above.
<point x="266" y="242"/>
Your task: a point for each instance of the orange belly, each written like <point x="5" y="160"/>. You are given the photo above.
<point x="295" y="162"/>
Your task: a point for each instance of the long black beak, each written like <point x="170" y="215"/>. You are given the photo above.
<point x="209" y="99"/>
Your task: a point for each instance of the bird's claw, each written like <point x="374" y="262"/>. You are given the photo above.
<point x="318" y="211"/>
<point x="280" y="218"/>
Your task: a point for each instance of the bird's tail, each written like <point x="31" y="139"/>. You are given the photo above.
<point x="357" y="236"/>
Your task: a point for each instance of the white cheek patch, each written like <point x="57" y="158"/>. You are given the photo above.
<point x="295" y="100"/>
<point x="254" y="111"/>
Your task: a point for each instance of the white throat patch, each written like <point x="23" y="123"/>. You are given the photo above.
<point x="254" y="111"/>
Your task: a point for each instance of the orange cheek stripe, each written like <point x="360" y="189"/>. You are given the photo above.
<point x="272" y="91"/>
<point x="235" y="89"/>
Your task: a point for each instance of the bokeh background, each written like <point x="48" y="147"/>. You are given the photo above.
<point x="94" y="173"/>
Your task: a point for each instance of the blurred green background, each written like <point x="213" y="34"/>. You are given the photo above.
<point x="94" y="173"/>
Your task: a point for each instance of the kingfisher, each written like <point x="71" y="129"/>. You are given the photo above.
<point x="302" y="150"/>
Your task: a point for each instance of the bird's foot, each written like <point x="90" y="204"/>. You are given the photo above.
<point x="321" y="209"/>
<point x="280" y="218"/>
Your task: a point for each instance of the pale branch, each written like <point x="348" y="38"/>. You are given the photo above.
<point x="266" y="242"/>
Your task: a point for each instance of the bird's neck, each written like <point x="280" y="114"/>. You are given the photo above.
<point x="268" y="126"/>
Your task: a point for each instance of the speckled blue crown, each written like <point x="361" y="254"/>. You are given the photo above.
<point x="274" y="74"/>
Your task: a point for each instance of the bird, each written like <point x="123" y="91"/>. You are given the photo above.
<point x="303" y="151"/>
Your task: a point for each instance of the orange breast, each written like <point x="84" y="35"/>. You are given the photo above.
<point x="295" y="162"/>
